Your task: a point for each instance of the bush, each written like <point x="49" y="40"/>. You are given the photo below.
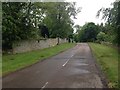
<point x="101" y="36"/>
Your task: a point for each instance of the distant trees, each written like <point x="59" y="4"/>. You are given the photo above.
<point x="109" y="32"/>
<point x="21" y="20"/>
<point x="88" y="32"/>
<point x="95" y="33"/>
<point x="77" y="28"/>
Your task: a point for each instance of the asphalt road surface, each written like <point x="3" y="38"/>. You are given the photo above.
<point x="74" y="68"/>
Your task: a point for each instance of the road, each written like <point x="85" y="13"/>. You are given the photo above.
<point x="73" y="68"/>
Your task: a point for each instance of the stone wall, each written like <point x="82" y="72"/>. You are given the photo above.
<point x="29" y="45"/>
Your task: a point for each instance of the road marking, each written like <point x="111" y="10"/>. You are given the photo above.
<point x="72" y="55"/>
<point x="67" y="61"/>
<point x="44" y="86"/>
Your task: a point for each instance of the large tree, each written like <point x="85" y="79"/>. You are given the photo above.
<point x="59" y="19"/>
<point x="11" y="22"/>
<point x="112" y="15"/>
<point x="88" y="32"/>
<point x="21" y="20"/>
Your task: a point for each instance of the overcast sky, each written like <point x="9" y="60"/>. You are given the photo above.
<point x="89" y="10"/>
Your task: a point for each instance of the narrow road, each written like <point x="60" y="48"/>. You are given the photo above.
<point x="74" y="68"/>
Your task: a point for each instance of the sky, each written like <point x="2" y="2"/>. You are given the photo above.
<point x="89" y="10"/>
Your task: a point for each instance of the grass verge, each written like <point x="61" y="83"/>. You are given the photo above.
<point x="11" y="63"/>
<point x="107" y="57"/>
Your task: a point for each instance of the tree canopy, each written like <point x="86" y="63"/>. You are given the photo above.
<point x="112" y="15"/>
<point x="21" y="20"/>
<point x="88" y="32"/>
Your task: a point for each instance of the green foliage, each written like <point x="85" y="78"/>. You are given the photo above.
<point x="88" y="32"/>
<point x="75" y="37"/>
<point x="101" y="36"/>
<point x="112" y="15"/>
<point x="21" y="20"/>
<point x="16" y="23"/>
<point x="59" y="20"/>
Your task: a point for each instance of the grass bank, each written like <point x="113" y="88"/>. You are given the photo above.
<point x="107" y="57"/>
<point x="11" y="63"/>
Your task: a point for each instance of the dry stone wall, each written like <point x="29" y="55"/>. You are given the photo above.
<point x="29" y="45"/>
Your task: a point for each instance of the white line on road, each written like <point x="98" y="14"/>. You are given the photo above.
<point x="67" y="61"/>
<point x="44" y="86"/>
<point x="72" y="55"/>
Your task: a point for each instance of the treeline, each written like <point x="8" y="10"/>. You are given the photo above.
<point x="21" y="20"/>
<point x="108" y="32"/>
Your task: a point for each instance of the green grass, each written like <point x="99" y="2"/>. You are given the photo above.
<point x="11" y="63"/>
<point x="107" y="57"/>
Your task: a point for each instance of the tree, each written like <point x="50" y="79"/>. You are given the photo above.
<point x="75" y="36"/>
<point x="21" y="20"/>
<point x="77" y="28"/>
<point x="112" y="15"/>
<point x="18" y="22"/>
<point x="12" y="17"/>
<point x="59" y="20"/>
<point x="88" y="32"/>
<point x="44" y="31"/>
<point x="101" y="36"/>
